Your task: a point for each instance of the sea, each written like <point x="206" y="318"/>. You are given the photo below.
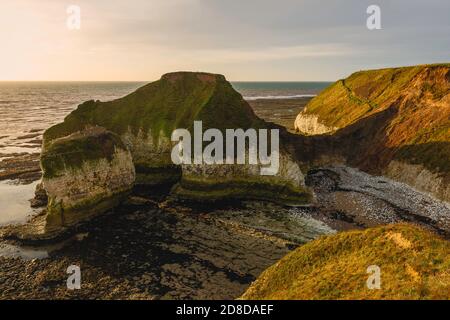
<point x="27" y="109"/>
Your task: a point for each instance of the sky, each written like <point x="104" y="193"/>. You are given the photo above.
<point x="246" y="40"/>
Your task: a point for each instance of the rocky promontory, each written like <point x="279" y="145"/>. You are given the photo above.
<point x="84" y="173"/>
<point x="102" y="150"/>
<point x="393" y="121"/>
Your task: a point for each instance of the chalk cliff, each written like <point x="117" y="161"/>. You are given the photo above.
<point x="136" y="132"/>
<point x="84" y="174"/>
<point x="393" y="121"/>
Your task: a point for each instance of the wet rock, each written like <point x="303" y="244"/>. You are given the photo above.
<point x="24" y="167"/>
<point x="147" y="253"/>
<point x="40" y="197"/>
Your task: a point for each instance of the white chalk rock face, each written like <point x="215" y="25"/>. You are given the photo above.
<point x="244" y="181"/>
<point x="420" y="178"/>
<point x="309" y="124"/>
<point x="85" y="174"/>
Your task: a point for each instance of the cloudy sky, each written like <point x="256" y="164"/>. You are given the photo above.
<point x="243" y="39"/>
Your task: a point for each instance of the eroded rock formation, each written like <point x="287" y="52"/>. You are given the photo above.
<point x="393" y="121"/>
<point x="85" y="173"/>
<point x="113" y="140"/>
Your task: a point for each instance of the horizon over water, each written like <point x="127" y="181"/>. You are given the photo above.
<point x="253" y="90"/>
<point x="27" y="108"/>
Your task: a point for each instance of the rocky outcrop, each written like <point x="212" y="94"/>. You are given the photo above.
<point x="92" y="159"/>
<point x="219" y="182"/>
<point x="146" y="118"/>
<point x="394" y="121"/>
<point x="40" y="197"/>
<point x="84" y="174"/>
<point x="151" y="157"/>
<point x="310" y="125"/>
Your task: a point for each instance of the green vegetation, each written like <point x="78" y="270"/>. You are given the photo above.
<point x="414" y="264"/>
<point x="430" y="148"/>
<point x="394" y="113"/>
<point x="72" y="151"/>
<point x="272" y="189"/>
<point x="145" y="119"/>
<point x="172" y="102"/>
<point x="164" y="174"/>
<point x="363" y="93"/>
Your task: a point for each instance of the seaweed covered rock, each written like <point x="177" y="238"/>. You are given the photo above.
<point x="84" y="174"/>
<point x="145" y="119"/>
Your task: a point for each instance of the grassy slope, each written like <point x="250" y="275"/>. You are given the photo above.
<point x="161" y="105"/>
<point x="415" y="264"/>
<point x="172" y="102"/>
<point x="362" y="94"/>
<point x="419" y="133"/>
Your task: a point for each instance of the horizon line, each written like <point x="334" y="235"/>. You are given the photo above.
<point x="148" y="81"/>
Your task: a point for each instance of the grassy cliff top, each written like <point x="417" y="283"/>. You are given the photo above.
<point x="174" y="101"/>
<point x="367" y="92"/>
<point x="73" y="150"/>
<point x="393" y="113"/>
<point x="414" y="264"/>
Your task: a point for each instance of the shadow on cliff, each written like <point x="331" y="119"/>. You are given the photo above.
<point x="363" y="144"/>
<point x="433" y="155"/>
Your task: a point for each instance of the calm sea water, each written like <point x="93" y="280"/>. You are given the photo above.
<point x="28" y="108"/>
<point x="279" y="90"/>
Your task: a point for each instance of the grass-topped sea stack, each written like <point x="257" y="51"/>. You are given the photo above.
<point x="136" y="134"/>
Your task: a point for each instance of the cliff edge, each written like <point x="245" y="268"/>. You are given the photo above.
<point x="393" y="121"/>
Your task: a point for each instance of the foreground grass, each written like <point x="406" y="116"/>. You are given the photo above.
<point x="414" y="264"/>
